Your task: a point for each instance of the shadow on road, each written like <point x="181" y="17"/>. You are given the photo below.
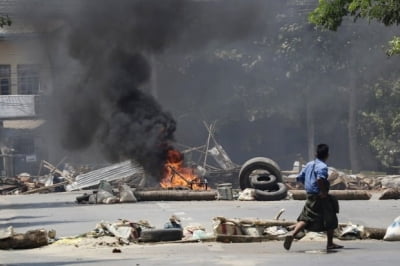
<point x="94" y="262"/>
<point x="38" y="205"/>
<point x="20" y="217"/>
<point x="35" y="224"/>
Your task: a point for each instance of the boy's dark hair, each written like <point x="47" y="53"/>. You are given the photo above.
<point x="322" y="151"/>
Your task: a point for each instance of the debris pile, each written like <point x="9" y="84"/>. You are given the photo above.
<point x="107" y="195"/>
<point x="342" y="181"/>
<point x="352" y="186"/>
<point x="70" y="178"/>
<point x="126" y="232"/>
<point x="255" y="230"/>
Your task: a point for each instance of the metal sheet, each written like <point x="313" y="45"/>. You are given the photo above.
<point x="109" y="173"/>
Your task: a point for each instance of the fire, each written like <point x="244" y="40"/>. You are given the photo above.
<point x="176" y="175"/>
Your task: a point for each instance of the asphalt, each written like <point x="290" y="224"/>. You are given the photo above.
<point x="59" y="211"/>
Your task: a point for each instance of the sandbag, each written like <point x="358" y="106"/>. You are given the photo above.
<point x="393" y="231"/>
<point x="247" y="194"/>
<point x="126" y="194"/>
<point x="390" y="193"/>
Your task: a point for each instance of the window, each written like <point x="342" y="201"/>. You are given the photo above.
<point x="5" y="82"/>
<point x="28" y="79"/>
<point x="24" y="145"/>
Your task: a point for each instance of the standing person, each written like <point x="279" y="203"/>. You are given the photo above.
<point x="319" y="212"/>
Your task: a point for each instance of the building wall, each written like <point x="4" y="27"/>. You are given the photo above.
<point x="25" y="51"/>
<point x="18" y="51"/>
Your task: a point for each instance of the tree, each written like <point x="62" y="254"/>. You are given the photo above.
<point x="381" y="120"/>
<point x="5" y="21"/>
<point x="329" y="14"/>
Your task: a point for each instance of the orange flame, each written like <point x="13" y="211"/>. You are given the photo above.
<point x="176" y="175"/>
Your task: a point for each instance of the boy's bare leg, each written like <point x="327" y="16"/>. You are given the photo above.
<point x="330" y="244"/>
<point x="289" y="238"/>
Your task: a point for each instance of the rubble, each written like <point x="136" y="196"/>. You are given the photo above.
<point x="392" y="181"/>
<point x="124" y="231"/>
<point x="255" y="230"/>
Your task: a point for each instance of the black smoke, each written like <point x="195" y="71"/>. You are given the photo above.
<point x="99" y="53"/>
<point x="105" y="106"/>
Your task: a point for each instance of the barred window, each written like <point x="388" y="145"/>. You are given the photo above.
<point x="28" y="79"/>
<point x="24" y="145"/>
<point x="5" y="79"/>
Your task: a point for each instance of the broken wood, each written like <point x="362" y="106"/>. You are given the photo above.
<point x="339" y="194"/>
<point x="31" y="239"/>
<point x="199" y="149"/>
<point x="178" y="174"/>
<point x="265" y="223"/>
<point x="54" y="169"/>
<point x="45" y="188"/>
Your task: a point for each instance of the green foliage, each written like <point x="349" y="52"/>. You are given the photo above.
<point x="394" y="46"/>
<point x="5" y="21"/>
<point x="380" y="123"/>
<point x="329" y="14"/>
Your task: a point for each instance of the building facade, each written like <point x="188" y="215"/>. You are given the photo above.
<point x="24" y="77"/>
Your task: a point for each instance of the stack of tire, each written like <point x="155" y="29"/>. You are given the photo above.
<point x="263" y="175"/>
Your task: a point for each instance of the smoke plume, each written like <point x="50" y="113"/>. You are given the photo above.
<point x="99" y="55"/>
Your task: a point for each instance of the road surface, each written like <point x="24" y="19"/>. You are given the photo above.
<point x="60" y="212"/>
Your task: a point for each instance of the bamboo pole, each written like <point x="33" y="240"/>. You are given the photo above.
<point x="177" y="195"/>
<point x="208" y="142"/>
<point x="339" y="194"/>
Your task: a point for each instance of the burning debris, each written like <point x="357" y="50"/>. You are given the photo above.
<point x="177" y="175"/>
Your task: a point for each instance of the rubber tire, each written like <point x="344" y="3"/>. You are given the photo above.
<point x="260" y="163"/>
<point x="263" y="184"/>
<point x="157" y="235"/>
<point x="266" y="195"/>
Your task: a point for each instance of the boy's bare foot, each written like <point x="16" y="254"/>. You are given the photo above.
<point x="287" y="243"/>
<point x="334" y="246"/>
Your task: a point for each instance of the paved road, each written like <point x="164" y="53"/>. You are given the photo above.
<point x="58" y="211"/>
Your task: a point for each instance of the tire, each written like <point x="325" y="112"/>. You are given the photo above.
<point x="258" y="163"/>
<point x="279" y="194"/>
<point x="157" y="235"/>
<point x="263" y="182"/>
